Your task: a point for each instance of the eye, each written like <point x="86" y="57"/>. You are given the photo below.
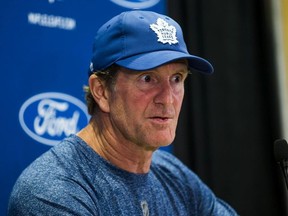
<point x="177" y="78"/>
<point x="146" y="78"/>
<point x="147" y="81"/>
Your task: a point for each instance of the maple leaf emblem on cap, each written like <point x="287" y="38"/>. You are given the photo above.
<point x="166" y="33"/>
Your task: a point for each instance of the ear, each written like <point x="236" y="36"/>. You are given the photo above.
<point x="99" y="92"/>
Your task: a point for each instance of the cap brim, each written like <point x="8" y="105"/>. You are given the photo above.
<point x="151" y="60"/>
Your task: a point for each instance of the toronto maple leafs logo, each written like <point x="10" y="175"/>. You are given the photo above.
<point x="166" y="33"/>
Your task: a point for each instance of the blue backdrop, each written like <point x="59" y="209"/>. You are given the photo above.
<point x="45" y="50"/>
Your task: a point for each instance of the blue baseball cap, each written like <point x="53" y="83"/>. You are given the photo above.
<point x="142" y="40"/>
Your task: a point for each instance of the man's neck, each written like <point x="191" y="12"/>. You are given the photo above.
<point x="121" y="153"/>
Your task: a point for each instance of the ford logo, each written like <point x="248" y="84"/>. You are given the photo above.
<point x="50" y="117"/>
<point x="136" y="4"/>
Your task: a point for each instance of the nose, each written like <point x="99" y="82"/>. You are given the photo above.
<point x="165" y="94"/>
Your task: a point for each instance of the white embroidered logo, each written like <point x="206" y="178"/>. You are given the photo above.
<point x="166" y="33"/>
<point x="145" y="209"/>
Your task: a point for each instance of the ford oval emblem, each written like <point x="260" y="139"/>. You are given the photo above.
<point x="50" y="117"/>
<point x="136" y="4"/>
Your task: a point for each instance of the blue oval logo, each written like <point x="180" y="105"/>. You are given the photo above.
<point x="136" y="4"/>
<point x="50" y="117"/>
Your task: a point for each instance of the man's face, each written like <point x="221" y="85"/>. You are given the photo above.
<point x="144" y="106"/>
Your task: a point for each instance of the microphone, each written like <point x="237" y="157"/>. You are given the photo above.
<point x="281" y="157"/>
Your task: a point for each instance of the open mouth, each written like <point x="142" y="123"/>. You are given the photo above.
<point x="159" y="118"/>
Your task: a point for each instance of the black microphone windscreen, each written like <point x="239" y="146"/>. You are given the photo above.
<point x="280" y="150"/>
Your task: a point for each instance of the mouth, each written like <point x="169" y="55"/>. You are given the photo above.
<point x="161" y="119"/>
<point x="161" y="123"/>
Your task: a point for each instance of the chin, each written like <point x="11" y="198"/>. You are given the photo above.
<point x="157" y="144"/>
<point x="157" y="140"/>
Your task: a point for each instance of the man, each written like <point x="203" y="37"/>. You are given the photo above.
<point x="112" y="166"/>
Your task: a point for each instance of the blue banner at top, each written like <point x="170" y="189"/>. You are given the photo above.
<point x="45" y="51"/>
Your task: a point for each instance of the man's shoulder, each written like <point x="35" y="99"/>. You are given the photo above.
<point x="51" y="177"/>
<point x="59" y="155"/>
<point x="63" y="161"/>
